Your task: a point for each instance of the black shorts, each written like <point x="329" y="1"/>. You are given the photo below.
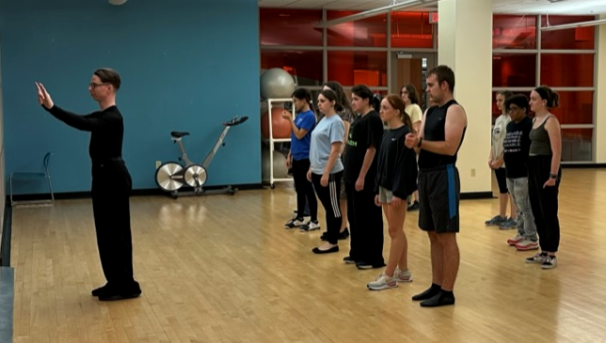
<point x="501" y="175"/>
<point x="439" y="194"/>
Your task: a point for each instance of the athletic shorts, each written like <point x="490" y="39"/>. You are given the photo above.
<point x="385" y="195"/>
<point x="439" y="194"/>
<point x="501" y="175"/>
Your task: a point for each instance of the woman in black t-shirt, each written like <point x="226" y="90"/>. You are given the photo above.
<point x="396" y="179"/>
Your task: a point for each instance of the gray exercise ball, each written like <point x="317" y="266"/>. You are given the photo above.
<point x="277" y="83"/>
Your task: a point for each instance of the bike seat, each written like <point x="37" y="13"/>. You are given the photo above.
<point x="179" y="134"/>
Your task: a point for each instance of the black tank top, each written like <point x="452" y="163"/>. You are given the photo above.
<point x="434" y="130"/>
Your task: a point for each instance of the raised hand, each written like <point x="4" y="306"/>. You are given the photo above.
<point x="43" y="97"/>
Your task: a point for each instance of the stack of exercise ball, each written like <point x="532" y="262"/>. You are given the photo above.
<point x="276" y="83"/>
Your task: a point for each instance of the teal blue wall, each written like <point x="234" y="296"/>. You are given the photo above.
<point x="185" y="65"/>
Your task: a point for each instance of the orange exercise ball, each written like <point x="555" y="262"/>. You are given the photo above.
<point x="280" y="126"/>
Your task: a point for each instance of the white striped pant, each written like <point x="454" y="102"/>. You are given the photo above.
<point x="329" y="197"/>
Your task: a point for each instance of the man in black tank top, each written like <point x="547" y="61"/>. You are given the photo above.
<point x="111" y="184"/>
<point x="438" y="142"/>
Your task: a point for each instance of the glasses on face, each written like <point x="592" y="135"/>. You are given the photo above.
<point x="514" y="109"/>
<point x="95" y="85"/>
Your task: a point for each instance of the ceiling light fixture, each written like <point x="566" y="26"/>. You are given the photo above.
<point x="377" y="11"/>
<point x="573" y="25"/>
<point x="117" y="2"/>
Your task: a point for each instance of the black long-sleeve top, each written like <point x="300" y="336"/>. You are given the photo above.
<point x="397" y="164"/>
<point x="106" y="128"/>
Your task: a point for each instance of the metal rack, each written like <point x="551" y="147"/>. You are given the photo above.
<point x="272" y="141"/>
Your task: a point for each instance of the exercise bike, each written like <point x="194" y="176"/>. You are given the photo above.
<point x="171" y="176"/>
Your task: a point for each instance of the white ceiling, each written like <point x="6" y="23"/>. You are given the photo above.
<point x="569" y="7"/>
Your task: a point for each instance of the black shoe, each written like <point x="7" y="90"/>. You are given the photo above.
<point x="428" y="293"/>
<point x="343" y="235"/>
<point x="365" y="265"/>
<point x="348" y="260"/>
<point x="99" y="291"/>
<point x="317" y="250"/>
<point x="114" y="296"/>
<point x="414" y="206"/>
<point x="440" y="299"/>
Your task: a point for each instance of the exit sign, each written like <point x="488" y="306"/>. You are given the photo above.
<point x="433" y="17"/>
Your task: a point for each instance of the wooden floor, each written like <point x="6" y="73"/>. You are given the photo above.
<point x="223" y="269"/>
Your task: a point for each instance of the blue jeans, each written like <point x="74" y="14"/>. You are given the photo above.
<point x="518" y="188"/>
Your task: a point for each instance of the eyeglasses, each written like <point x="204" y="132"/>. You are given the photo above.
<point x="95" y="85"/>
<point x="513" y="109"/>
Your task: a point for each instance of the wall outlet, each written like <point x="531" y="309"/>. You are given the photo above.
<point x="158" y="164"/>
<point x="473" y="172"/>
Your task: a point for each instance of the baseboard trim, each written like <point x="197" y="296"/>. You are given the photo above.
<point x="476" y="195"/>
<point x="5" y="247"/>
<point x="7" y="295"/>
<point x="584" y="166"/>
<point x="135" y="192"/>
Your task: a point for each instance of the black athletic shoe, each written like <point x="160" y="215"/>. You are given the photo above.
<point x="343" y="235"/>
<point x="348" y="260"/>
<point x="112" y="296"/>
<point x="441" y="299"/>
<point x="365" y="265"/>
<point x="99" y="291"/>
<point x="428" y="293"/>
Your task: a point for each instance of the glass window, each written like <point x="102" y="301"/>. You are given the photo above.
<point x="514" y="70"/>
<point x="575" y="108"/>
<point x="279" y="26"/>
<point x="305" y="66"/>
<point x="411" y="30"/>
<point x="514" y="32"/>
<point x="566" y="70"/>
<point x="358" y="67"/>
<point x="577" y="38"/>
<point x="577" y="145"/>
<point x="369" y="32"/>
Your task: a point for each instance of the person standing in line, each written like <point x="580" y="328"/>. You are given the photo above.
<point x="497" y="163"/>
<point x="396" y="180"/>
<point x="326" y="168"/>
<point x="111" y="184"/>
<point x="516" y="146"/>
<point x="411" y="99"/>
<point x="442" y="133"/>
<point x="346" y="113"/>
<point x="365" y="218"/>
<point x="298" y="159"/>
<point x="545" y="174"/>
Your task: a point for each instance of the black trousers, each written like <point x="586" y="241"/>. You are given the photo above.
<point x="329" y="197"/>
<point x="304" y="188"/>
<point x="111" y="189"/>
<point x="365" y="225"/>
<point x="544" y="202"/>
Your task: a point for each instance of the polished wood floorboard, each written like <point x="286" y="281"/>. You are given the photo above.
<point x="222" y="268"/>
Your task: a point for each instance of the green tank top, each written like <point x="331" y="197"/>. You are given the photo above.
<point x="540" y="143"/>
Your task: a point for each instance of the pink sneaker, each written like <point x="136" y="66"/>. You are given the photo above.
<point x="527" y="244"/>
<point x="513" y="241"/>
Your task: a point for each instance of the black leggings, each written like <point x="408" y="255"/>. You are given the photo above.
<point x="544" y="202"/>
<point x="304" y="189"/>
<point x="329" y="196"/>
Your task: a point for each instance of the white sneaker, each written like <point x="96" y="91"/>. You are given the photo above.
<point x="382" y="282"/>
<point x="293" y="223"/>
<point x="310" y="226"/>
<point x="402" y="276"/>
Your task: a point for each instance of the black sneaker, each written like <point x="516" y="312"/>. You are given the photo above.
<point x="348" y="260"/>
<point x="414" y="206"/>
<point x="343" y="235"/>
<point x="365" y="265"/>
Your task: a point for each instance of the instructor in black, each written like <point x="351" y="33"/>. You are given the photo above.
<point x="111" y="183"/>
<point x="440" y="136"/>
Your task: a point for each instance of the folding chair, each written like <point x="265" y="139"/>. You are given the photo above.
<point x="34" y="175"/>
